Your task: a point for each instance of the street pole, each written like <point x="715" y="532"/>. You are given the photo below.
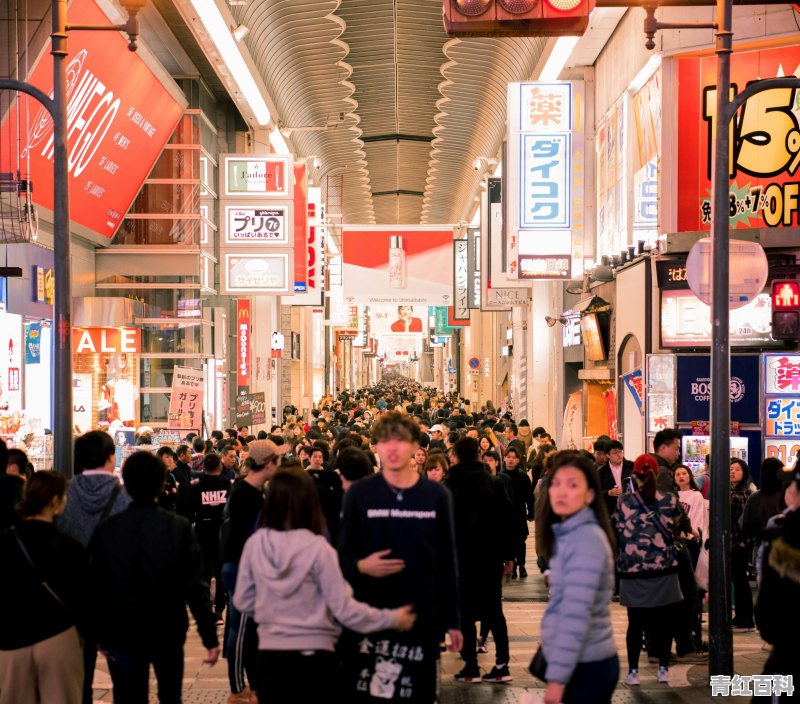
<point x="719" y="610"/>
<point x="62" y="305"/>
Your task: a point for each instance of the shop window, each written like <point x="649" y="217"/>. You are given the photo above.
<point x="173" y="338"/>
<point x="156" y="372"/>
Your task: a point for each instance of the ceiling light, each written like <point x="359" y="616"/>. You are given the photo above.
<point x="240" y="32"/>
<point x="214" y="23"/>
<point x="278" y="142"/>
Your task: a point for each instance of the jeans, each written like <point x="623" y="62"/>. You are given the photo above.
<point x="592" y="682"/>
<point x="241" y="639"/>
<point x="742" y="596"/>
<point x="130" y="675"/>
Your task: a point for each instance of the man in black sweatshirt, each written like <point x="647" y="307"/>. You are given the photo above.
<point x="396" y="546"/>
<point x="241" y="514"/>
<point x="207" y="501"/>
<point x="141" y="612"/>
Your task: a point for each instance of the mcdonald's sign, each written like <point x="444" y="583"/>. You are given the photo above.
<point x="243" y="332"/>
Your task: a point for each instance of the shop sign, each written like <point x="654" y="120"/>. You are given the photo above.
<point x="646" y="124"/>
<point x="119" y="117"/>
<point x="765" y="142"/>
<point x="262" y="224"/>
<point x="314" y="247"/>
<point x="166" y="437"/>
<point x="703" y="428"/>
<point x="103" y="340"/>
<point x="186" y="400"/>
<point x="33" y="343"/>
<point x="300" y="227"/>
<point x="441" y="326"/>
<point x="546" y="157"/>
<point x="243" y="332"/>
<point x="258" y="408"/>
<point x="250" y="176"/>
<point x="474" y="267"/>
<point x="45" y="283"/>
<point x="571" y="331"/>
<point x="633" y="383"/>
<point x="686" y="321"/>
<point x="781" y="406"/>
<point x="694" y="388"/>
<point x="461" y="291"/>
<point x="256" y="273"/>
<point x="612" y="132"/>
<point x="244" y="414"/>
<point x="507" y="297"/>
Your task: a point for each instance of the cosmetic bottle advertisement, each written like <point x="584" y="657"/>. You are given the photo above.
<point x="398" y="265"/>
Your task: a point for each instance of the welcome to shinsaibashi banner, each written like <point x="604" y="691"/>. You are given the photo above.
<point x="765" y="142"/>
<point x="186" y="399"/>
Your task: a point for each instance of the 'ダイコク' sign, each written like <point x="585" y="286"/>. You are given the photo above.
<point x="119" y="117"/>
<point x="765" y="142"/>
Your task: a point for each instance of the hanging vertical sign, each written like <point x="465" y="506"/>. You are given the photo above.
<point x="460" y="280"/>
<point x="186" y="400"/>
<point x="546" y="179"/>
<point x="300" y="227"/>
<point x="243" y="332"/>
<point x="474" y="267"/>
<point x="315" y="253"/>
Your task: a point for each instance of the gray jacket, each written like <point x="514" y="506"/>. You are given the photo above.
<point x="577" y="624"/>
<point x="290" y="583"/>
<point x="87" y="498"/>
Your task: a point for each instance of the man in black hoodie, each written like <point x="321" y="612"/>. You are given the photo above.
<point x="480" y="499"/>
<point x="142" y="612"/>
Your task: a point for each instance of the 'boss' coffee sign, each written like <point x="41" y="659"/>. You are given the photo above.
<point x="694" y="388"/>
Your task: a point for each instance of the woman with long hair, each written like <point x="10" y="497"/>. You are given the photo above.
<point x="420" y="457"/>
<point x="765" y="503"/>
<point x="485" y="445"/>
<point x="741" y="547"/>
<point x="41" y="656"/>
<point x="290" y="583"/>
<point x="575" y="537"/>
<point x="648" y="566"/>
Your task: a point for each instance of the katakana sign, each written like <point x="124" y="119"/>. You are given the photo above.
<point x="460" y="280"/>
<point x="781" y="404"/>
<point x="257" y="224"/>
<point x="186" y="401"/>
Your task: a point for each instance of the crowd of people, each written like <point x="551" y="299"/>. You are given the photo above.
<point x="334" y="558"/>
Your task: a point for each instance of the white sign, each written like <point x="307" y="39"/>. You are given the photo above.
<point x="571" y="332"/>
<point x="461" y="292"/>
<point x="186" y="400"/>
<point x="82" y="402"/>
<point x="257" y="224"/>
<point x="256" y="273"/>
<point x="316" y="233"/>
<point x="507" y="296"/>
<point x="250" y="176"/>
<point x="781" y="373"/>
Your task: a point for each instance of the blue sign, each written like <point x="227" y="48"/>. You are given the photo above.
<point x="545" y="182"/>
<point x="694" y="388"/>
<point x="33" y="343"/>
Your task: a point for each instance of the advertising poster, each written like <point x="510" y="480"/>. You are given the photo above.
<point x="33" y="343"/>
<point x="646" y="119"/>
<point x="398" y="327"/>
<point x="781" y="406"/>
<point x="260" y="224"/>
<point x="258" y="408"/>
<point x="300" y="233"/>
<point x="252" y="176"/>
<point x="693" y="389"/>
<point x="82" y="402"/>
<point x="120" y="117"/>
<point x="611" y="186"/>
<point x="400" y="265"/>
<point x="765" y="142"/>
<point x="244" y="410"/>
<point x="314" y="249"/>
<point x="186" y="399"/>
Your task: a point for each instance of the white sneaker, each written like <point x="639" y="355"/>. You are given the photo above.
<point x="663" y="675"/>
<point x="632" y="680"/>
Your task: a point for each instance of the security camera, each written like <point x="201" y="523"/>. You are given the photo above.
<point x="477" y="164"/>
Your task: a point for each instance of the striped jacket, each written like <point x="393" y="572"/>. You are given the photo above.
<point x="577" y="624"/>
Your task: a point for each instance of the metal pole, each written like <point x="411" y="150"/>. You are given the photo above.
<point x="720" y="636"/>
<point x="62" y="308"/>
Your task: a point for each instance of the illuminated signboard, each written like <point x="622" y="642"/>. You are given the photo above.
<point x="266" y="224"/>
<point x="254" y="176"/>
<point x="256" y="273"/>
<point x="781" y="405"/>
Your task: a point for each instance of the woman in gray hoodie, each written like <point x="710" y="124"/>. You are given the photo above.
<point x="290" y="583"/>
<point x="574" y="534"/>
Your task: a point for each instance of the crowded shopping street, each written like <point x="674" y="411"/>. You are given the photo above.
<point x="425" y="351"/>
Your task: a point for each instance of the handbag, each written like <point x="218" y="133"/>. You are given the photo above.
<point x="538" y="666"/>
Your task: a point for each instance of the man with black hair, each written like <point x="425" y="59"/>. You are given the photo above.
<point x="614" y="475"/>
<point x="479" y="499"/>
<point x="522" y="507"/>
<point x="143" y="611"/>
<point x="198" y="455"/>
<point x="216" y="437"/>
<point x="667" y="451"/>
<point x="183" y="476"/>
<point x="353" y="465"/>
<point x="396" y="546"/>
<point x="168" y="499"/>
<point x="207" y="501"/>
<point x="329" y="487"/>
<point x="11" y="486"/>
<point x="600" y="449"/>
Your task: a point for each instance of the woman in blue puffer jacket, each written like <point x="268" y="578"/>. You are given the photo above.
<point x="575" y="535"/>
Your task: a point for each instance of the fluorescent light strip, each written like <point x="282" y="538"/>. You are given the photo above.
<point x="220" y="34"/>
<point x="278" y="142"/>
<point x="558" y="57"/>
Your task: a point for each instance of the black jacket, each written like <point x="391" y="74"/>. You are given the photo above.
<point x="607" y="483"/>
<point x="10" y="492"/>
<point x="58" y="560"/>
<point x="521" y="500"/>
<point x="183" y="477"/>
<point x="777" y="616"/>
<point x="145" y="568"/>
<point x="665" y="479"/>
<point x="329" y="488"/>
<point x="206" y="503"/>
<point x="480" y="501"/>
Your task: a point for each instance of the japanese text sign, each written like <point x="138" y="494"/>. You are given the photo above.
<point x="119" y="117"/>
<point x="243" y="334"/>
<point x="765" y="142"/>
<point x="186" y="400"/>
<point x="460" y="280"/>
<point x="781" y="405"/>
<point x="256" y="273"/>
<point x="265" y="224"/>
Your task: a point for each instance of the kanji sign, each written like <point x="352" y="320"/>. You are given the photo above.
<point x="781" y="404"/>
<point x="186" y="400"/>
<point x="267" y="224"/>
<point x="541" y="266"/>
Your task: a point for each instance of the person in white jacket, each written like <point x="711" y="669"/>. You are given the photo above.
<point x="290" y="583"/>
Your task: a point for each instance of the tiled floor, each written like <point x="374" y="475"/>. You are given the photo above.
<point x="524" y="604"/>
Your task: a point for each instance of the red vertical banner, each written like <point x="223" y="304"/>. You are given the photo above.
<point x="243" y="332"/>
<point x="300" y="228"/>
<point x="610" y="396"/>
